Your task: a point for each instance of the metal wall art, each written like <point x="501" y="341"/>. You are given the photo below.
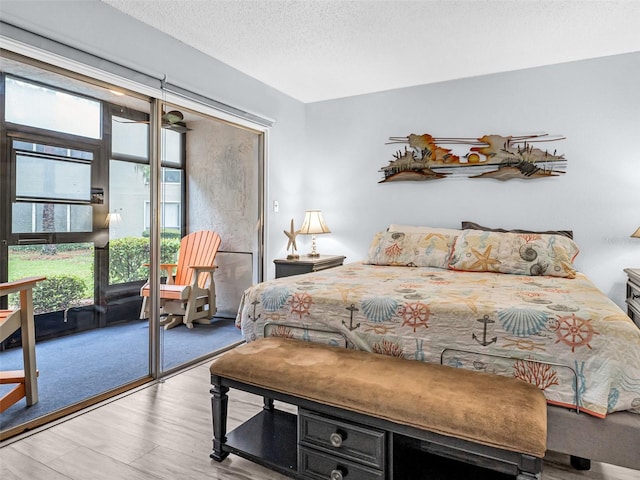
<point x="490" y="156"/>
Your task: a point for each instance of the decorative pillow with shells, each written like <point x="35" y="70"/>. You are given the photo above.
<point x="515" y="253"/>
<point x="411" y="249"/>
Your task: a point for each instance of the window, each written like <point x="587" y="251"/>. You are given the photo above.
<point x="171" y="214"/>
<point x="52" y="188"/>
<point x="172" y="148"/>
<point x="51" y="150"/>
<point x="43" y="107"/>
<point x="49" y="178"/>
<point x="129" y="175"/>
<point x="129" y="138"/>
<point x="46" y="177"/>
<point x="52" y="182"/>
<point x="171" y="175"/>
<point x="50" y="217"/>
<point x="130" y="141"/>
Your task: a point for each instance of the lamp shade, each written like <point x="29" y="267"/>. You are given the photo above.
<point x="113" y="219"/>
<point x="313" y="223"/>
<point x="636" y="234"/>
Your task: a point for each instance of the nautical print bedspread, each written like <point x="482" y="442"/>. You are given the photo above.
<point x="563" y="335"/>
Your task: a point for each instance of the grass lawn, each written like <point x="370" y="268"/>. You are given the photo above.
<point x="77" y="263"/>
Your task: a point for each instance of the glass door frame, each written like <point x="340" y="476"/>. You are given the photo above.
<point x="98" y="235"/>
<point x="171" y="101"/>
<point x="157" y="98"/>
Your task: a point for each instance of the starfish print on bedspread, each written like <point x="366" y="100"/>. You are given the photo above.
<point x="484" y="260"/>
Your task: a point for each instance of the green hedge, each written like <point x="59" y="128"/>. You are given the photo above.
<point x="58" y="292"/>
<point x="165" y="233"/>
<point x="59" y="247"/>
<point x="127" y="257"/>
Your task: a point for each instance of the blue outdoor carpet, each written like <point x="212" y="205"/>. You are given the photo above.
<point x="79" y="366"/>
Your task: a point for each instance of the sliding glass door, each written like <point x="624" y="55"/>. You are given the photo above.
<point x="222" y="171"/>
<point x="86" y="198"/>
<point x="57" y="222"/>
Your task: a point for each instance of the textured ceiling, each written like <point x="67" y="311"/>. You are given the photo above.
<point x="322" y="49"/>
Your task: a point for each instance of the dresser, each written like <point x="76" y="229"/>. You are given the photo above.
<point x="633" y="294"/>
<point x="287" y="268"/>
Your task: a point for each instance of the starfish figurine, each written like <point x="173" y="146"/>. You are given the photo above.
<point x="291" y="235"/>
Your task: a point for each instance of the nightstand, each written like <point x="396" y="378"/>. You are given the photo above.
<point x="286" y="268"/>
<point x="633" y="294"/>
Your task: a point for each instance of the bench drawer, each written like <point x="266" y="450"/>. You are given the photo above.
<point x="313" y="464"/>
<point x="362" y="444"/>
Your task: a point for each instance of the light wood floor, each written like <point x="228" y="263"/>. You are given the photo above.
<point x="164" y="432"/>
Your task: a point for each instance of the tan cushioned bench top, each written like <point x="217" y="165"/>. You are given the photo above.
<point x="476" y="406"/>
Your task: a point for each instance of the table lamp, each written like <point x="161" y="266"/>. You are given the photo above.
<point x="313" y="225"/>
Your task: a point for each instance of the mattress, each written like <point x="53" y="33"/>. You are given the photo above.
<point x="561" y="334"/>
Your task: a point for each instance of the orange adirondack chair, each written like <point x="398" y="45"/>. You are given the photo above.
<point x="11" y="321"/>
<point x="189" y="295"/>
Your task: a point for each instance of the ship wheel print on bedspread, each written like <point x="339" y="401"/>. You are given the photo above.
<point x="301" y="303"/>
<point x="574" y="331"/>
<point x="415" y="314"/>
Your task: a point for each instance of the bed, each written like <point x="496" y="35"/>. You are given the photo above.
<point x="505" y="302"/>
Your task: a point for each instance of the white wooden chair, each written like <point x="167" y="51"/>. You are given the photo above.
<point x="10" y="321"/>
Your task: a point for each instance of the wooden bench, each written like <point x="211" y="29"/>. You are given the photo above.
<point x="358" y="412"/>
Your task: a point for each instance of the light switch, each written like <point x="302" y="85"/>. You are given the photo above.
<point x="276" y="206"/>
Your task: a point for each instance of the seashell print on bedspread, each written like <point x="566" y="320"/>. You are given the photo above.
<point x="562" y="335"/>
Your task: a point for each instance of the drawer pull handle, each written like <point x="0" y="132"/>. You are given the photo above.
<point x="338" y="474"/>
<point x="635" y="295"/>
<point x="336" y="439"/>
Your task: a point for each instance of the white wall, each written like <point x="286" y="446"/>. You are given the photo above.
<point x="595" y="104"/>
<point x="327" y="155"/>
<point x="99" y="29"/>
